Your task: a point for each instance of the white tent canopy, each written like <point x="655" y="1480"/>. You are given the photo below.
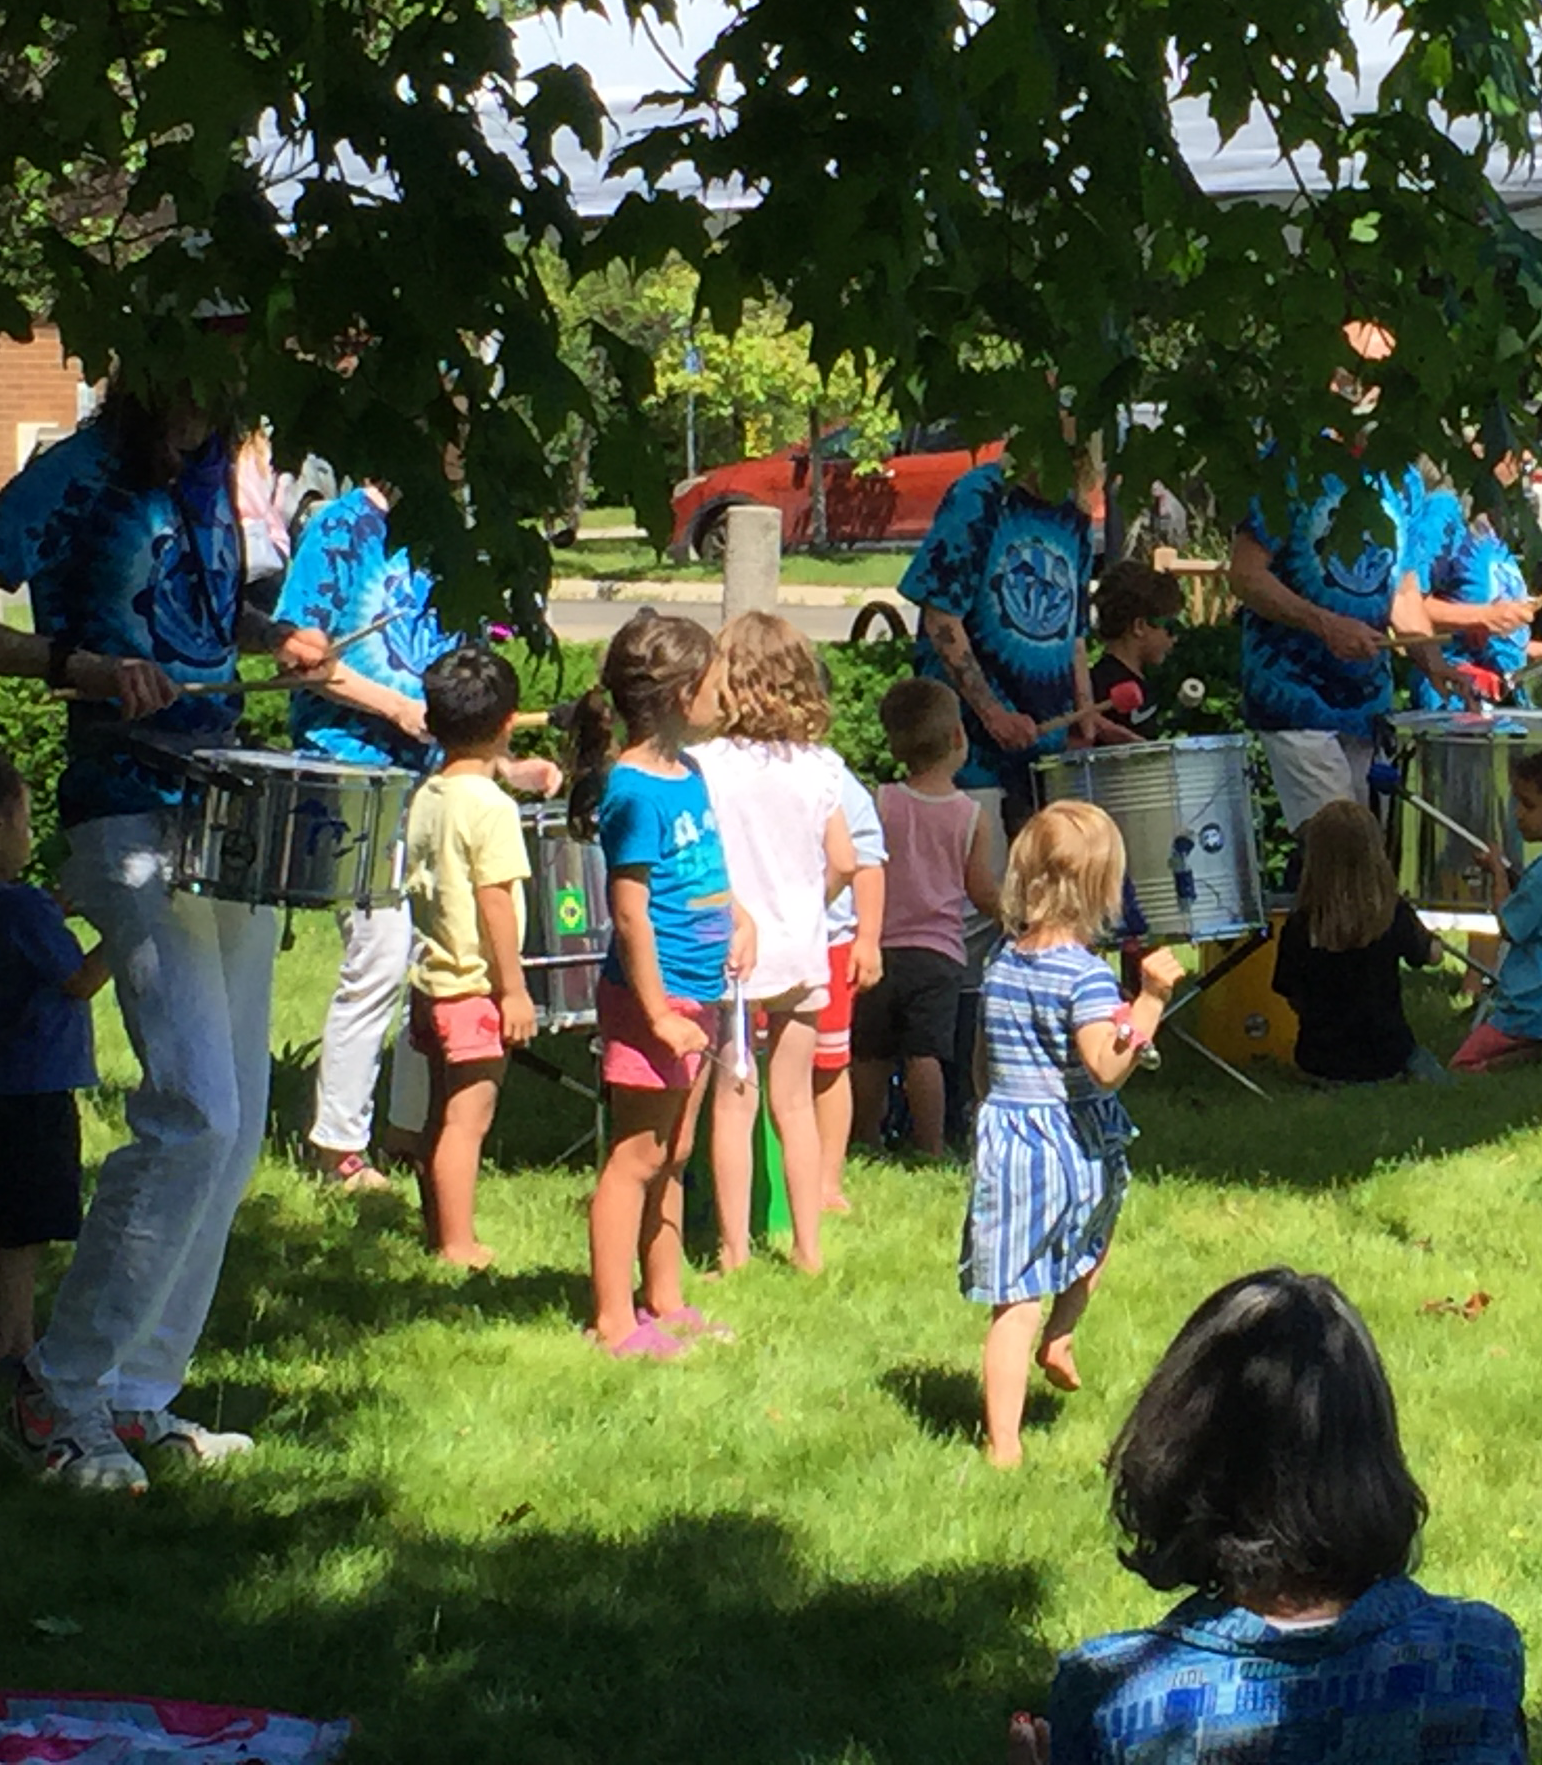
<point x="628" y="64"/>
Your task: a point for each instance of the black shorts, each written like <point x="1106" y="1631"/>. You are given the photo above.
<point x="913" y="1011"/>
<point x="39" y="1169"/>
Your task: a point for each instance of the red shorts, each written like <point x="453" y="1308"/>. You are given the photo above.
<point x="633" y="1056"/>
<point x="832" y="1046"/>
<point x="1487" y="1044"/>
<point x="461" y="1030"/>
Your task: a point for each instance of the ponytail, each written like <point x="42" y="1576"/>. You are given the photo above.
<point x="652" y="661"/>
<point x="591" y="724"/>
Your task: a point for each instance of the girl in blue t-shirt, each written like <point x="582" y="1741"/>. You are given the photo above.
<point x="677" y="937"/>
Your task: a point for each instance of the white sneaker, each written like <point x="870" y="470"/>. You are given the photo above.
<point x="79" y="1452"/>
<point x="160" y="1428"/>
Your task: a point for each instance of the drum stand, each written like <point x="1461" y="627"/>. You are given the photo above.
<point x="547" y="1069"/>
<point x="1234" y="958"/>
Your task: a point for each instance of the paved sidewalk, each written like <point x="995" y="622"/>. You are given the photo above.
<point x="590" y="619"/>
<point x="653" y="592"/>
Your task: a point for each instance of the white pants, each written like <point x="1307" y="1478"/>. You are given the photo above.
<point x="194" y="981"/>
<point x="1314" y="767"/>
<point x="377" y="947"/>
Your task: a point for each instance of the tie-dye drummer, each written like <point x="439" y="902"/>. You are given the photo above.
<point x="1003" y="582"/>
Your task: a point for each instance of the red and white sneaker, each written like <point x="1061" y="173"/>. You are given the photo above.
<point x="77" y="1452"/>
<point x="161" y="1429"/>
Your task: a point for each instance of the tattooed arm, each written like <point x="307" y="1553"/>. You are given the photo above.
<point x="1009" y="729"/>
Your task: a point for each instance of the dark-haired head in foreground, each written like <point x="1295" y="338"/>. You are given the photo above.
<point x="1261" y="1464"/>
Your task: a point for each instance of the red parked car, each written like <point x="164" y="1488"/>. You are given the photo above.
<point x="893" y="504"/>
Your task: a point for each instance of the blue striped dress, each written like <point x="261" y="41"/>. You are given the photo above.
<point x="1049" y="1159"/>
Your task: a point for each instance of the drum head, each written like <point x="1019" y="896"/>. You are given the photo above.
<point x="273" y="763"/>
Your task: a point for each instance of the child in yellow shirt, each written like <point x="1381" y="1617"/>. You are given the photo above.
<point x="466" y="865"/>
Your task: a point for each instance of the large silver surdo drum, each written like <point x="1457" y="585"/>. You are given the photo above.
<point x="284" y="830"/>
<point x="1185" y="809"/>
<point x="1461" y="764"/>
<point x="568" y="920"/>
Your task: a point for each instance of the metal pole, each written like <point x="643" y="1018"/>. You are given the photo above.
<point x="1215" y="1060"/>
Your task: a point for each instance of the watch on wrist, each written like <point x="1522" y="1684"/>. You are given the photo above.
<point x="60" y="649"/>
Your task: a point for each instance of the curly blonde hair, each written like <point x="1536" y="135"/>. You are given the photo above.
<point x="1065" y="869"/>
<point x="771" y="687"/>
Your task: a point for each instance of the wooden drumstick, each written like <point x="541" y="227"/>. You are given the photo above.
<point x="1123" y="698"/>
<point x="276" y="683"/>
<point x="1394" y="641"/>
<point x="1391" y="641"/>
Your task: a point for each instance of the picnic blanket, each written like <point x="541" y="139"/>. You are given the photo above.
<point x="43" y="1728"/>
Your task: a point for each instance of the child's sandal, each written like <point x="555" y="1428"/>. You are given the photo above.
<point x="355" y="1175"/>
<point x="646" y="1342"/>
<point x="687" y="1322"/>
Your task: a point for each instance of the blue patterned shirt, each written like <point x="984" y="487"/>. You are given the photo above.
<point x="1032" y="1003"/>
<point x="154" y="574"/>
<point x="342" y="578"/>
<point x="1016" y="571"/>
<point x="1402" y="1678"/>
<point x="1518" y="997"/>
<point x="1474" y="568"/>
<point x="666" y="827"/>
<point x="1290" y="678"/>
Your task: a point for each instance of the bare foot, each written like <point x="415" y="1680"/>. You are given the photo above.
<point x="836" y="1204"/>
<point x="808" y="1265"/>
<point x="470" y="1256"/>
<point x="1006" y="1460"/>
<point x="730" y="1260"/>
<point x="1059" y="1364"/>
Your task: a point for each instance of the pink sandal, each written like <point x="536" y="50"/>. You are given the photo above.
<point x="687" y="1322"/>
<point x="355" y="1175"/>
<point x="647" y="1342"/>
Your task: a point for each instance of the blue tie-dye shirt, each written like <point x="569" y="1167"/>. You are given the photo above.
<point x="1290" y="678"/>
<point x="1475" y="568"/>
<point x="341" y="579"/>
<point x="154" y="574"/>
<point x="1016" y="570"/>
<point x="1402" y="1678"/>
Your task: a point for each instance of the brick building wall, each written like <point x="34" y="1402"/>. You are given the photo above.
<point x="40" y="395"/>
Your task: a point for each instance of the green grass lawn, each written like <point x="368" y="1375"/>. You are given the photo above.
<point x="634" y="560"/>
<point x="484" y="1541"/>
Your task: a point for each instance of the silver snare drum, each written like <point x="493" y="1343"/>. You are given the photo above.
<point x="568" y="929"/>
<point x="1185" y="809"/>
<point x="1461" y="764"/>
<point x="286" y="831"/>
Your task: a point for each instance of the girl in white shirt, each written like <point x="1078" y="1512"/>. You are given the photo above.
<point x="776" y="796"/>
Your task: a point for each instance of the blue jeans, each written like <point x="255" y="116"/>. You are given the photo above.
<point x="194" y="980"/>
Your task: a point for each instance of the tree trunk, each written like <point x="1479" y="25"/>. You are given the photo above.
<point x="818" y="514"/>
<point x="578" y="476"/>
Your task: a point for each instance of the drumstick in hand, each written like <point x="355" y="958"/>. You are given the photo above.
<point x="275" y="683"/>
<point x="1125" y="698"/>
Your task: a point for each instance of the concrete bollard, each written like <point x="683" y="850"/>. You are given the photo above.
<point x="752" y="560"/>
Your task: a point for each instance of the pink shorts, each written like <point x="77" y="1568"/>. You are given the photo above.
<point x="832" y="1046"/>
<point x="633" y="1056"/>
<point x="461" y="1030"/>
<point x="1486" y="1044"/>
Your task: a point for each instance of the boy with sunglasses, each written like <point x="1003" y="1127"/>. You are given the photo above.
<point x="1135" y="614"/>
